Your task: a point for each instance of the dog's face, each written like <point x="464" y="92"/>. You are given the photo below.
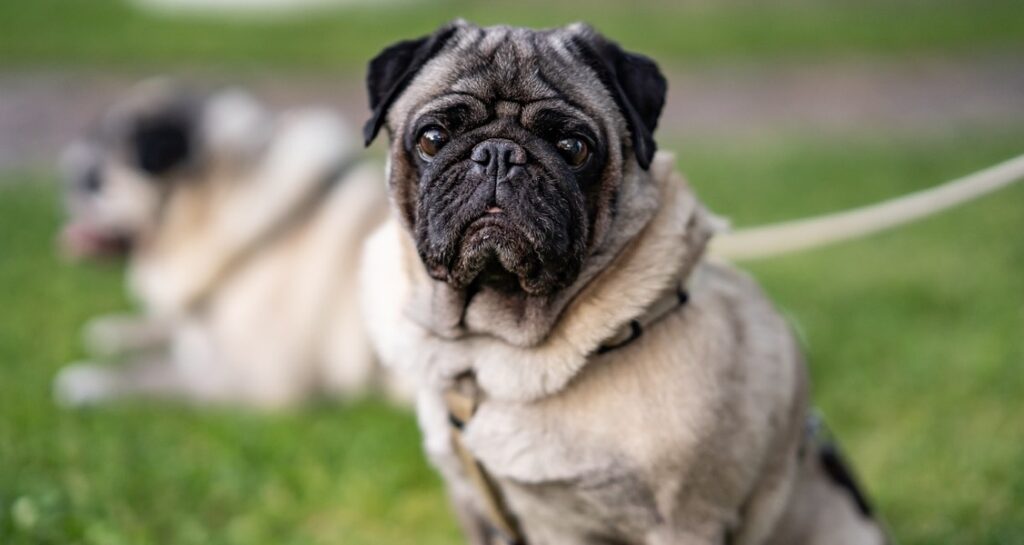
<point x="508" y="146"/>
<point x="119" y="174"/>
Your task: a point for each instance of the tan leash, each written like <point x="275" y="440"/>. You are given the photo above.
<point x="463" y="398"/>
<point x="792" y="236"/>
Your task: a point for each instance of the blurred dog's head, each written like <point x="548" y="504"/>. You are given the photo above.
<point x="509" y="146"/>
<point x="157" y="138"/>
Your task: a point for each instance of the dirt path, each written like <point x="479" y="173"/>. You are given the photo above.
<point x="42" y="110"/>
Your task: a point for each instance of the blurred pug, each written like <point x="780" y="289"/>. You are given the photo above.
<point x="242" y="232"/>
<point x="586" y="376"/>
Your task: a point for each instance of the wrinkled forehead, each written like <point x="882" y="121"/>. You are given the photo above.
<point x="104" y="138"/>
<point x="517" y="67"/>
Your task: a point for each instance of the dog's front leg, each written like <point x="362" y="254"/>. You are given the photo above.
<point x="114" y="335"/>
<point x="88" y="383"/>
<point x="474" y="527"/>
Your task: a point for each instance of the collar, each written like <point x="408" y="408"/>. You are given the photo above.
<point x="673" y="298"/>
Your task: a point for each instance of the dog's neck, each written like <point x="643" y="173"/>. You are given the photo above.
<point x="525" y="348"/>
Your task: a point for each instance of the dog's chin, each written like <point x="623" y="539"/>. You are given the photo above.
<point x="494" y="254"/>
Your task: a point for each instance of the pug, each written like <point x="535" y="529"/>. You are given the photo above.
<point x="586" y="375"/>
<point x="242" y="230"/>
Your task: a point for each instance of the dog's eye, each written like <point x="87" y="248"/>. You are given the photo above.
<point x="91" y="182"/>
<point x="574" y="150"/>
<point x="432" y="139"/>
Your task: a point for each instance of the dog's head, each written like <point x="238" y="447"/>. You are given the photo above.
<point x="157" y="138"/>
<point x="509" y="146"/>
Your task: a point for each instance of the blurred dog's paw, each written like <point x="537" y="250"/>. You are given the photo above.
<point x="84" y="384"/>
<point x="114" y="335"/>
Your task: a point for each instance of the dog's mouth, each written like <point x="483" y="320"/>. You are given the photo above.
<point x="81" y="241"/>
<point x="494" y="219"/>
<point x="524" y="235"/>
<point x="494" y="252"/>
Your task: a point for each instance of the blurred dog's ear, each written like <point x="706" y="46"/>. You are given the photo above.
<point x="634" y="81"/>
<point x="390" y="72"/>
<point x="163" y="142"/>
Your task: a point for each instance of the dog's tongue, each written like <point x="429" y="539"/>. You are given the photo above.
<point x="78" y="241"/>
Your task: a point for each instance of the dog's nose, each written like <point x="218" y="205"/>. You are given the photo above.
<point x="498" y="157"/>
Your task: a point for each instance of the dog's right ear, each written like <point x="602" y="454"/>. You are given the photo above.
<point x="391" y="71"/>
<point x="163" y="142"/>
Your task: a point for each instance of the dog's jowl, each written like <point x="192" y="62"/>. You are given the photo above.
<point x="586" y="375"/>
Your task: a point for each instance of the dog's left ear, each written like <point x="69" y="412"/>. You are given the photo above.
<point x="391" y="71"/>
<point x="635" y="83"/>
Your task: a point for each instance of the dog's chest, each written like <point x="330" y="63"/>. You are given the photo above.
<point x="610" y="506"/>
<point x="571" y="473"/>
<point x="603" y="456"/>
<point x="561" y="484"/>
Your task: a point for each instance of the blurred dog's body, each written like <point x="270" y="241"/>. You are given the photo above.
<point x="243" y="232"/>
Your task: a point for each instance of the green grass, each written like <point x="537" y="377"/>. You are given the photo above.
<point x="113" y="34"/>
<point x="914" y="338"/>
<point x="140" y="474"/>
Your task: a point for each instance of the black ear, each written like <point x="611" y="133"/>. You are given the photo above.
<point x="635" y="83"/>
<point x="163" y="142"/>
<point x="390" y="72"/>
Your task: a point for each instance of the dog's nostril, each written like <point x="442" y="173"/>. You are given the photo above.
<point x="515" y="155"/>
<point x="499" y="152"/>
<point x="481" y="154"/>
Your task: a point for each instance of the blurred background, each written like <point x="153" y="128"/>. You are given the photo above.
<point x="776" y="110"/>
